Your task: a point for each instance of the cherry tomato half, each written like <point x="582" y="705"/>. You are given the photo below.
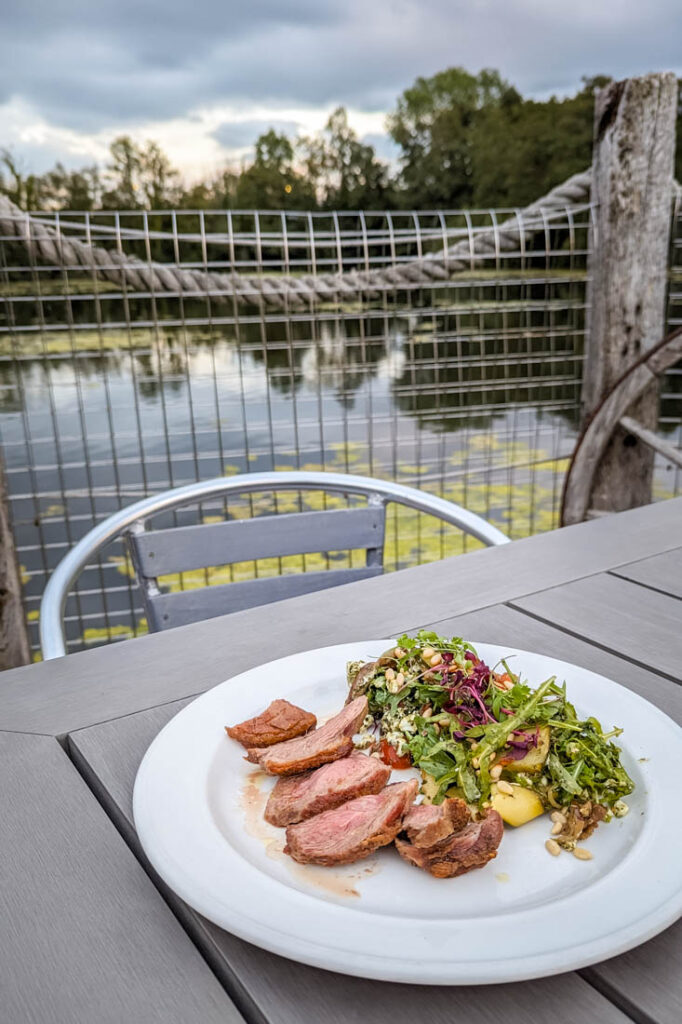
<point x="391" y="757"/>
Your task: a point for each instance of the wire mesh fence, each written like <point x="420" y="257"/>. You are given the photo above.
<point x="668" y="478"/>
<point x="467" y="386"/>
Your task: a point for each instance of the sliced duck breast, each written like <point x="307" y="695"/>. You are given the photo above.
<point x="297" y="797"/>
<point x="354" y="830"/>
<point x="330" y="742"/>
<point x="472" y="847"/>
<point x="279" y="722"/>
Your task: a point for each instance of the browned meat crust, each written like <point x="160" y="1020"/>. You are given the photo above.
<point x="298" y="797"/>
<point x="361" y="682"/>
<point x="472" y="847"/>
<point x="279" y="722"/>
<point x="353" y="831"/>
<point x="427" y="824"/>
<point x="330" y="742"/>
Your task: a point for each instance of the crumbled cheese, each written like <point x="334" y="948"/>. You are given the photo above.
<point x="397" y="741"/>
<point x="407" y="725"/>
<point x="363" y="740"/>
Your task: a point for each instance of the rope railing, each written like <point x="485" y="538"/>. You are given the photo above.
<point x="50" y="244"/>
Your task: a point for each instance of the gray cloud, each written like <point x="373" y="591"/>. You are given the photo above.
<point x="90" y="66"/>
<point x="238" y="134"/>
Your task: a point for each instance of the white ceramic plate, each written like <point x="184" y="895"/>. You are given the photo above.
<point x="198" y="813"/>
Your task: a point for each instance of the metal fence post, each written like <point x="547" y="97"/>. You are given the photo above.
<point x="14" y="646"/>
<point x="634" y="148"/>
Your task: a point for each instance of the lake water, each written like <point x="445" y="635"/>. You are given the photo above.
<point x="94" y="420"/>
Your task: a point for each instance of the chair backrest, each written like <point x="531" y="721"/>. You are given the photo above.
<point x="156" y="553"/>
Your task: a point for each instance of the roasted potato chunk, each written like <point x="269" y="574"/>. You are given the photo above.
<point x="516" y="808"/>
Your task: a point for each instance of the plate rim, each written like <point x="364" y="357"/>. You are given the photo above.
<point x="366" y="963"/>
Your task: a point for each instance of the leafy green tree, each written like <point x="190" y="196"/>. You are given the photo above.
<point x="26" y="190"/>
<point x="72" y="190"/>
<point x="158" y="178"/>
<point x="214" y="194"/>
<point x="542" y="144"/>
<point x="271" y="182"/>
<point x="123" y="175"/>
<point x="466" y="140"/>
<point x="435" y="123"/>
<point x="346" y="172"/>
<point x="140" y="177"/>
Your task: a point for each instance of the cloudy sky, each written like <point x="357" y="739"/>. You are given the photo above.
<point x="204" y="78"/>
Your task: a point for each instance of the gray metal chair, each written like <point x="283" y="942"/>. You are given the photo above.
<point x="156" y="553"/>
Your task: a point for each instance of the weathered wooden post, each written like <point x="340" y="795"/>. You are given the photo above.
<point x="634" y="147"/>
<point x="14" y="646"/>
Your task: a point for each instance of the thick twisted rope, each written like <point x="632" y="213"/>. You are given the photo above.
<point x="50" y="245"/>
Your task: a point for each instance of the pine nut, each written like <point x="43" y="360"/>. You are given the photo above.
<point x="427" y="712"/>
<point x="399" y="652"/>
<point x="475" y="762"/>
<point x="437" y="729"/>
<point x="556" y="828"/>
<point x="435" y="660"/>
<point x="496" y="771"/>
<point x="390" y="674"/>
<point x="504" y="787"/>
<point x="400" y="678"/>
<point x="553" y="847"/>
<point x="581" y="853"/>
<point x="558" y="816"/>
<point x="428" y="653"/>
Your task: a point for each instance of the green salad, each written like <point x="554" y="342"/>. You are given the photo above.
<point x="486" y="736"/>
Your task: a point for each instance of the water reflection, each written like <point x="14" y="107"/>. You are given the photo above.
<point x="93" y="420"/>
<point x="429" y="372"/>
<point x="332" y="362"/>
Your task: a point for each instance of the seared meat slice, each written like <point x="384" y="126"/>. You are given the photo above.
<point x="361" y="681"/>
<point x="279" y="722"/>
<point x="365" y="674"/>
<point x="471" y="847"/>
<point x="328" y="743"/>
<point x="427" y="824"/>
<point x="352" y="831"/>
<point x="298" y="797"/>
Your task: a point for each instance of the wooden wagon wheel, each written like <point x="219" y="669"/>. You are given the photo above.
<point x="611" y="413"/>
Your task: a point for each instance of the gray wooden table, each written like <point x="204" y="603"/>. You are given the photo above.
<point x="89" y="934"/>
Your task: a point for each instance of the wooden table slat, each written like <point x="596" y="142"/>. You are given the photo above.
<point x="640" y="624"/>
<point x="660" y="572"/>
<point x="86" y="937"/>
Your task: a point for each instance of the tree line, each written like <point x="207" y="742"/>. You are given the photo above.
<point x="464" y="141"/>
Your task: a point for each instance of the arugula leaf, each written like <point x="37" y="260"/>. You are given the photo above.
<point x="582" y="764"/>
